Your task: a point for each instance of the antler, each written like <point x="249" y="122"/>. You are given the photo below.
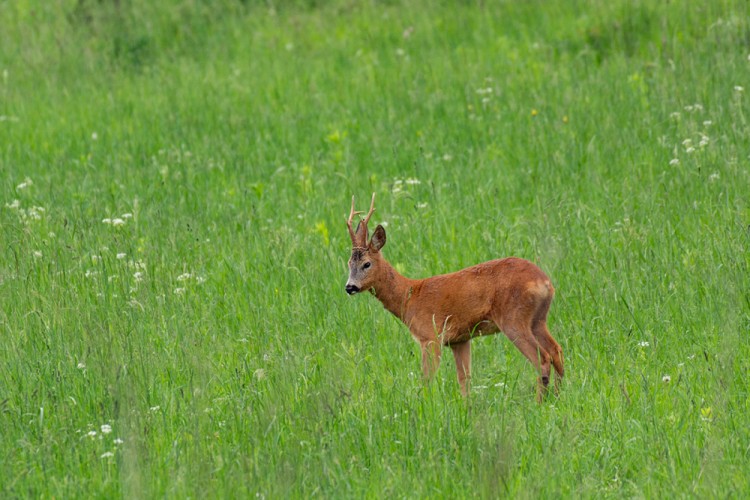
<point x="349" y="224"/>
<point x="362" y="240"/>
<point x="372" y="209"/>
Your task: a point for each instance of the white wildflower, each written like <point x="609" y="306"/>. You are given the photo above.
<point x="259" y="374"/>
<point x="643" y="343"/>
<point x="689" y="150"/>
<point x="118" y="441"/>
<point x="738" y="88"/>
<point x="35" y="213"/>
<point x="37" y="254"/>
<point x="713" y="177"/>
<point x="14" y="205"/>
<point x="154" y="409"/>
<point x="447" y="157"/>
<point x="687" y="142"/>
<point x="107" y="221"/>
<point x="707" y="123"/>
<point x="200" y="280"/>
<point x="94" y="136"/>
<point x="412" y="182"/>
<point x="127" y="216"/>
<point x="500" y="384"/>
<point x="138" y="276"/>
<point x="91" y="434"/>
<point x="674" y="161"/>
<point x="118" y="222"/>
<point x="689" y="108"/>
<point x="184" y="277"/>
<point x="179" y="291"/>
<point x="81" y="366"/>
<point x="121" y="255"/>
<point x="107" y="454"/>
<point x="26" y="183"/>
<point x="697" y="107"/>
<point x="421" y="205"/>
<point x="674" y="115"/>
<point x="666" y="379"/>
<point x="106" y="428"/>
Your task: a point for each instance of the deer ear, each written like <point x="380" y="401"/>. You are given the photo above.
<point x="378" y="238"/>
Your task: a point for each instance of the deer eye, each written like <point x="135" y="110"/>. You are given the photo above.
<point x="367" y="265"/>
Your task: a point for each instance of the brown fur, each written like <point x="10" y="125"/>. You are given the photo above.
<point x="511" y="295"/>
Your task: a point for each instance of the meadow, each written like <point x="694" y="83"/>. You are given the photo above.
<point x="174" y="182"/>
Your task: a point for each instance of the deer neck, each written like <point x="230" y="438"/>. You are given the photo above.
<point x="393" y="290"/>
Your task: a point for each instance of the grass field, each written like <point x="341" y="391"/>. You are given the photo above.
<point x="174" y="179"/>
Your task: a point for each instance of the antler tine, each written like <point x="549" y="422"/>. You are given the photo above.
<point x="372" y="209"/>
<point x="352" y="213"/>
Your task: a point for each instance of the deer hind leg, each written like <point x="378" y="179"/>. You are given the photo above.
<point x="553" y="348"/>
<point x="526" y="342"/>
<point x="540" y="331"/>
<point x="462" y="355"/>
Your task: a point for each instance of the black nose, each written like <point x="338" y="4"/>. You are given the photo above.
<point x="351" y="289"/>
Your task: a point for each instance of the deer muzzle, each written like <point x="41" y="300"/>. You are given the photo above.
<point x="351" y="289"/>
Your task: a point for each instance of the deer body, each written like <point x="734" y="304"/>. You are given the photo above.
<point x="511" y="295"/>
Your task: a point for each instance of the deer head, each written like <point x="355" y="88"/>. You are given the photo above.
<point x="366" y="260"/>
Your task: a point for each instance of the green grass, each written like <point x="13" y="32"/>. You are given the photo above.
<point x="235" y="135"/>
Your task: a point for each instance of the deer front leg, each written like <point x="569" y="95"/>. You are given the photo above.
<point x="462" y="355"/>
<point x="431" y="351"/>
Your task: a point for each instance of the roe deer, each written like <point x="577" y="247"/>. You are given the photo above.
<point x="511" y="295"/>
